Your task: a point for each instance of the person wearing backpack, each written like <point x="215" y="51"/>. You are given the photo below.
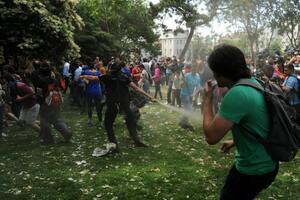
<point x="291" y="87"/>
<point x="50" y="102"/>
<point x="25" y="95"/>
<point x="242" y="106"/>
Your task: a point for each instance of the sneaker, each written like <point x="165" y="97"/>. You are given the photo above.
<point x="109" y="148"/>
<point x="68" y="139"/>
<point x="188" y="127"/>
<point x="140" y="144"/>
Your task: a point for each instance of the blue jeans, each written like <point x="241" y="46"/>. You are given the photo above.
<point x="186" y="102"/>
<point x="146" y="86"/>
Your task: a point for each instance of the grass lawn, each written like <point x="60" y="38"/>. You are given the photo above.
<point x="176" y="165"/>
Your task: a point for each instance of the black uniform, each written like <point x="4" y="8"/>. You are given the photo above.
<point x="117" y="97"/>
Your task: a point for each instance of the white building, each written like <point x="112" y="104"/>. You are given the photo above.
<point x="172" y="44"/>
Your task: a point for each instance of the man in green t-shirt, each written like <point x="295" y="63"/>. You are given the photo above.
<point x="242" y="106"/>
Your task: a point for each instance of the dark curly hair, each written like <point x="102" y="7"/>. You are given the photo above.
<point x="229" y="61"/>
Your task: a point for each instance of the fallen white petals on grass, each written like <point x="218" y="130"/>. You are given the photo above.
<point x="14" y="191"/>
<point x="84" y="172"/>
<point x="71" y="179"/>
<point x="106" y="186"/>
<point x="155" y="170"/>
<point x="82" y="162"/>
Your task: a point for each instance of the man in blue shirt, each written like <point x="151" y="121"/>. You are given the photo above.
<point x="290" y="87"/>
<point x="93" y="93"/>
<point x="190" y="86"/>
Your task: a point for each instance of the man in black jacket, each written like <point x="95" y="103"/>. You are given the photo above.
<point x="117" y="94"/>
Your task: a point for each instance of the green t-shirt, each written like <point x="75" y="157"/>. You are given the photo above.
<point x="246" y="105"/>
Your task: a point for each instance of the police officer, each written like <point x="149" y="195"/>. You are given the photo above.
<point x="117" y="94"/>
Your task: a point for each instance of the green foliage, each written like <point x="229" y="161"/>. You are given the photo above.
<point x="251" y="17"/>
<point x="276" y="45"/>
<point x="201" y="46"/>
<point x="239" y="40"/>
<point x="115" y="27"/>
<point x="39" y="29"/>
<point x="287" y="19"/>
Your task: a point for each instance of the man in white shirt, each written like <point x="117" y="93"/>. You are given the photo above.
<point x="66" y="74"/>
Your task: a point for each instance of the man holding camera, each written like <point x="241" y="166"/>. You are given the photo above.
<point x="254" y="169"/>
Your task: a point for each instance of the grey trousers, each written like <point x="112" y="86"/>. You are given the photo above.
<point x="52" y="116"/>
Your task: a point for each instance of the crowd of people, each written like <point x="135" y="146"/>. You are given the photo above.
<point x="23" y="93"/>
<point x="34" y="97"/>
<point x="284" y="71"/>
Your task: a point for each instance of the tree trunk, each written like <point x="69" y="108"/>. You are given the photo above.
<point x="252" y="50"/>
<point x="187" y="43"/>
<point x="271" y="38"/>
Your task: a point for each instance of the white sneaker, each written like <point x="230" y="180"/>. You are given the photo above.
<point x="101" y="152"/>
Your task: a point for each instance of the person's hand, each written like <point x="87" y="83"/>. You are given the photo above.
<point x="208" y="89"/>
<point x="18" y="98"/>
<point x="227" y="145"/>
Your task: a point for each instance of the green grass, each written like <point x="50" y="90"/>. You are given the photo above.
<point x="176" y="165"/>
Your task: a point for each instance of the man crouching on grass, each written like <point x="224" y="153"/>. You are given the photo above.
<point x="254" y="169"/>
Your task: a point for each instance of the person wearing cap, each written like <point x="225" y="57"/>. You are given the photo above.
<point x="189" y="86"/>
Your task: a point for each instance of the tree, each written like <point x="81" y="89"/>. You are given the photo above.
<point x="239" y="40"/>
<point x="201" y="46"/>
<point x="287" y="18"/>
<point x="188" y="14"/>
<point x="38" y="29"/>
<point x="115" y="27"/>
<point x="251" y="17"/>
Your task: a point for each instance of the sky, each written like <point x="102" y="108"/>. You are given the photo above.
<point x="215" y="27"/>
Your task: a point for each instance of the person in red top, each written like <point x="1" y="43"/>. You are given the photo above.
<point x="156" y="79"/>
<point x="30" y="108"/>
<point x="136" y="74"/>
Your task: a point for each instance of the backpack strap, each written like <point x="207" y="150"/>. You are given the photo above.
<point x="248" y="82"/>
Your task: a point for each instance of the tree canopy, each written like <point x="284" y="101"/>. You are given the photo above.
<point x="115" y="27"/>
<point x="287" y="18"/>
<point x="38" y="29"/>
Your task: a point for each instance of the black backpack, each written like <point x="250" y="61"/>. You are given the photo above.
<point x="283" y="140"/>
